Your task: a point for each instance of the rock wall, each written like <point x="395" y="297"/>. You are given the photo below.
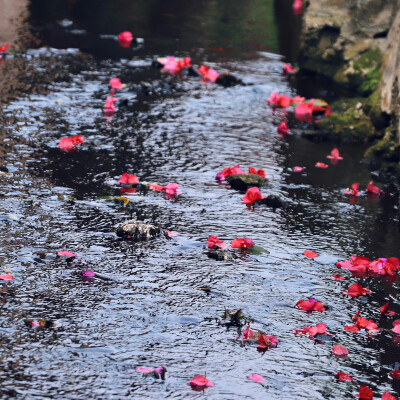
<point x="356" y="43"/>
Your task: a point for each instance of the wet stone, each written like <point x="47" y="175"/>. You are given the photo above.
<point x="271" y="201"/>
<point x="243" y="182"/>
<point x="136" y="230"/>
<point x="221" y="255"/>
<point x="228" y="80"/>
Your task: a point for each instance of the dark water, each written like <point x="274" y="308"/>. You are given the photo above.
<point x="185" y="132"/>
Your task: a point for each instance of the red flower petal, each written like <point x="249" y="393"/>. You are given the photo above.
<point x="6" y="277"/>
<point x="242" y="243"/>
<point x="338" y="277"/>
<point x="395" y="374"/>
<point x="351" y="328"/>
<point x="388" y="396"/>
<point x="256" y="378"/>
<point x="321" y="165"/>
<point x="342" y="377"/>
<point x="125" y="39"/>
<point x="128" y="179"/>
<point x="310" y="254"/>
<point x="283" y="128"/>
<point x="214" y="242"/>
<point x="356" y="290"/>
<point x="67" y="144"/>
<point x="115" y="83"/>
<point x="252" y="195"/>
<point x="365" y="393"/>
<point x="200" y="380"/>
<point x="66" y="253"/>
<point x="340" y="350"/>
<point x="298" y="169"/>
<point x="157" y="188"/>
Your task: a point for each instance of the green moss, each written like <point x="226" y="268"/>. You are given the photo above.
<point x="386" y="149"/>
<point x="372" y="107"/>
<point x="348" y="123"/>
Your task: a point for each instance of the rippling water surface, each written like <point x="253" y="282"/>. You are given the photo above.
<point x="185" y="131"/>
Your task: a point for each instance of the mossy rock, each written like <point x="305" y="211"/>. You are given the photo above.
<point x="243" y="182"/>
<point x="362" y="73"/>
<point x="386" y="149"/>
<point x="348" y="123"/>
<point x="221" y="255"/>
<point x="372" y="107"/>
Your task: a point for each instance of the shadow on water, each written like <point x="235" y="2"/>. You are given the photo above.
<point x="176" y="129"/>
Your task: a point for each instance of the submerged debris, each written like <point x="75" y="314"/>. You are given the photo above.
<point x="136" y="230"/>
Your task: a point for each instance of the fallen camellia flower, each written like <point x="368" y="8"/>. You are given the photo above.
<point x="384" y="310"/>
<point x="277" y="100"/>
<point x="310" y="254"/>
<point x="208" y="74"/>
<point x="289" y="69"/>
<point x="66" y="253"/>
<point x="242" y="243"/>
<point x="355" y="290"/>
<point x="298" y="169"/>
<point x="109" y="107"/>
<point x="283" y="128"/>
<point x="340" y="350"/>
<point x="303" y="112"/>
<point x="252" y="195"/>
<point x="355" y="264"/>
<point x="201" y="382"/>
<point x="321" y="165"/>
<point x="353" y="191"/>
<point x="256" y="378"/>
<point x="310" y="305"/>
<point x="274" y="98"/>
<point x="334" y="156"/>
<point x="128" y="179"/>
<point x="115" y="83"/>
<point x="125" y="39"/>
<point x="342" y="377"/>
<point x="4" y="48"/>
<point x="231" y="171"/>
<point x="312" y="331"/>
<point x="365" y="393"/>
<point x="214" y="242"/>
<point x="67" y="144"/>
<point x="384" y="266"/>
<point x="260" y="172"/>
<point x="88" y="273"/>
<point x="338" y="277"/>
<point x="395" y="374"/>
<point x="297" y="7"/>
<point x="371" y="189"/>
<point x="174" y="65"/>
<point x="172" y="189"/>
<point x="6" y="277"/>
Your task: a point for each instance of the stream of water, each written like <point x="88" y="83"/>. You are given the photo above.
<point x="182" y="131"/>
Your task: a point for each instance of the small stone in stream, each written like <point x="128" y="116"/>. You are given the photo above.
<point x="221" y="255"/>
<point x="243" y="182"/>
<point x="271" y="201"/>
<point x="228" y="80"/>
<point x="136" y="230"/>
<point x="235" y="318"/>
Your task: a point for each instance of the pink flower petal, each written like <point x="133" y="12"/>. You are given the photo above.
<point x="256" y="378"/>
<point x="66" y="253"/>
<point x="340" y="350"/>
